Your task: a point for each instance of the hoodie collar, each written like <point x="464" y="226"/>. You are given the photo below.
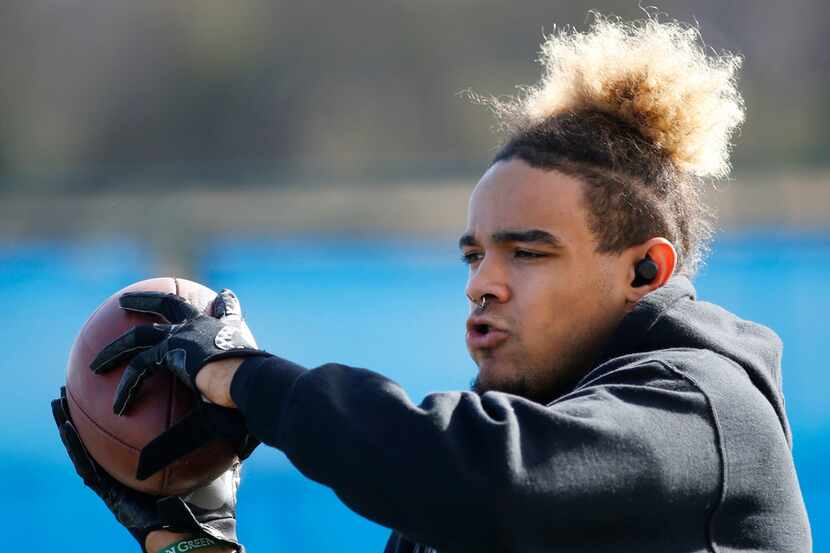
<point x="635" y="325"/>
<point x="753" y="347"/>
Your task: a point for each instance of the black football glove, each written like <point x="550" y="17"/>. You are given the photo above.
<point x="182" y="347"/>
<point x="208" y="511"/>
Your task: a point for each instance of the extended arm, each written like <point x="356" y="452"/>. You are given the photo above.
<point x="463" y="472"/>
<point x="485" y="473"/>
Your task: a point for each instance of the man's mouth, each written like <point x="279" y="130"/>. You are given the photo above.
<point x="482" y="334"/>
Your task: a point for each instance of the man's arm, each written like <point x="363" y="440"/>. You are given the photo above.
<point x="493" y="472"/>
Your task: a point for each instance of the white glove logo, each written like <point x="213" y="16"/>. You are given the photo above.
<point x="224" y="339"/>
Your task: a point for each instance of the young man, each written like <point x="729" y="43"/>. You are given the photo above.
<point x="612" y="411"/>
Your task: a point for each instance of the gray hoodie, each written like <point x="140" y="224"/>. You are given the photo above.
<point x="677" y="440"/>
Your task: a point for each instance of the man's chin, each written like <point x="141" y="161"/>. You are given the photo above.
<point x="518" y="387"/>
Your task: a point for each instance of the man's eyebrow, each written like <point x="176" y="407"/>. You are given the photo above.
<point x="467" y="240"/>
<point x="529" y="235"/>
<point x="504" y="236"/>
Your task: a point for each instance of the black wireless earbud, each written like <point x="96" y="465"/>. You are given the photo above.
<point x="644" y="272"/>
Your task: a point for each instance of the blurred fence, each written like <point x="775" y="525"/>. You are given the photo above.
<point x="176" y="219"/>
<point x="96" y="86"/>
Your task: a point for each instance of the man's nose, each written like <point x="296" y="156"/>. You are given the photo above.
<point x="488" y="279"/>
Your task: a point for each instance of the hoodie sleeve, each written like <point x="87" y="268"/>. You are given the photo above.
<point x="463" y="472"/>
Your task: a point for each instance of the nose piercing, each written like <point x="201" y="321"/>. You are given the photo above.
<point x="481" y="303"/>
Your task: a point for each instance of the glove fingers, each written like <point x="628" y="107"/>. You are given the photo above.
<point x="170" y="306"/>
<point x="127" y="345"/>
<point x="135" y="373"/>
<point x="92" y="473"/>
<point x="84" y="465"/>
<point x="202" y="425"/>
<point x="60" y="409"/>
<point x="226" y="305"/>
<point x="187" y="435"/>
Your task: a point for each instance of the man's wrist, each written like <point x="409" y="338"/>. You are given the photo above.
<point x="158" y="540"/>
<point x="214" y="380"/>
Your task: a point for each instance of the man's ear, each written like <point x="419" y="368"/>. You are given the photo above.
<point x="662" y="253"/>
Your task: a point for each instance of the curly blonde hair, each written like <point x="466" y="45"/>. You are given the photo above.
<point x="642" y="113"/>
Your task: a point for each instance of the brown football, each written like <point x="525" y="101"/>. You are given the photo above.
<point x="115" y="442"/>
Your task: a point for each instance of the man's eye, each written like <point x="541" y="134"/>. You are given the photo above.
<point x="529" y="255"/>
<point x="471" y="257"/>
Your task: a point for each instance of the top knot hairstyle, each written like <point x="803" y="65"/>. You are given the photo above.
<point x="642" y="115"/>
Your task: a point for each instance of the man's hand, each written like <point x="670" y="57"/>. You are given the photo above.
<point x="182" y="347"/>
<point x="209" y="511"/>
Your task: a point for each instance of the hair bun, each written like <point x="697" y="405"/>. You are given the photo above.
<point x="655" y="76"/>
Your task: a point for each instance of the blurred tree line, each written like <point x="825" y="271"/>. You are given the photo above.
<point x="97" y="94"/>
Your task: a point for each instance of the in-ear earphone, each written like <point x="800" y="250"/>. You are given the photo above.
<point x="644" y="272"/>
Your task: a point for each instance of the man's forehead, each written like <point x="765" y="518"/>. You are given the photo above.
<point x="512" y="196"/>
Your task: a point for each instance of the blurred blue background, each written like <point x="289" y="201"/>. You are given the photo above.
<point x="395" y="306"/>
